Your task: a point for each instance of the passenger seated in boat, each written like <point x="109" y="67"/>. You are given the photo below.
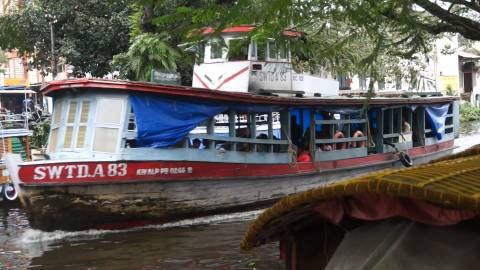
<point x="304" y="156"/>
<point x="339" y="146"/>
<point x="243" y="133"/>
<point x="304" y="152"/>
<point x="358" y="134"/>
<point x="406" y="127"/>
<point x="296" y="131"/>
<point x="130" y="143"/>
<point x="196" y="143"/>
<point x="262" y="147"/>
<point x="324" y="134"/>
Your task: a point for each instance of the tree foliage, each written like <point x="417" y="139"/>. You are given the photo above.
<point x="359" y="36"/>
<point x="159" y="27"/>
<point x="148" y="51"/>
<point x="86" y="33"/>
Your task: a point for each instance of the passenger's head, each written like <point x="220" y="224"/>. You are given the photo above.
<point x="196" y="143"/>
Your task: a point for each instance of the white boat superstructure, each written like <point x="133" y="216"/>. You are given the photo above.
<point x="232" y="62"/>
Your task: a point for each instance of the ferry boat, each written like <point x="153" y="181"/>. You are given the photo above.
<point x="126" y="153"/>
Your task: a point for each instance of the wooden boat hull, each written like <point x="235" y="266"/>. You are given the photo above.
<point x="78" y="205"/>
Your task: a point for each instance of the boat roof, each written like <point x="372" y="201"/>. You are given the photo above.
<point x="119" y="86"/>
<point x="247" y="28"/>
<point x="17" y="92"/>
<point x="449" y="183"/>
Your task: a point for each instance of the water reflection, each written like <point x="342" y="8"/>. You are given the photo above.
<point x="208" y="243"/>
<point x="199" y="247"/>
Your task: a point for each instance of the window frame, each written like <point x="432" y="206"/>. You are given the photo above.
<point x="120" y="126"/>
<point x="76" y="124"/>
<point x="56" y="125"/>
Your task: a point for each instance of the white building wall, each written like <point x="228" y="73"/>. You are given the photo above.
<point x="446" y="67"/>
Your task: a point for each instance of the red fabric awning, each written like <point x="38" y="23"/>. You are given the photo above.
<point x="373" y="207"/>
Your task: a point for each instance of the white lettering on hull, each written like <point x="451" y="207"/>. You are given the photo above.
<point x="75" y="171"/>
<point x="164" y="171"/>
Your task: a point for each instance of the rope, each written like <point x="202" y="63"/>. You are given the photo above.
<point x="371" y="143"/>
<point x="290" y="148"/>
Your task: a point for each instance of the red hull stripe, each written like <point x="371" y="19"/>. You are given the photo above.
<point x="201" y="81"/>
<point x="232" y="77"/>
<point x="125" y="171"/>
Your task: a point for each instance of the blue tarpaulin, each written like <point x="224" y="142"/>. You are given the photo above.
<point x="436" y="115"/>
<point x="164" y="121"/>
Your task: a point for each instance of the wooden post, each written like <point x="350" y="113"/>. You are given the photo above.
<point x="210" y="131"/>
<point x="9" y="145"/>
<point x="27" y="148"/>
<point x="313" y="128"/>
<point x="270" y="130"/>
<point x="231" y="127"/>
<point x="379" y="137"/>
<point x="253" y="129"/>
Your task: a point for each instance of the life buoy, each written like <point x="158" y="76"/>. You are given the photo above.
<point x="9" y="192"/>
<point x="358" y="144"/>
<point x="405" y="159"/>
<point x="339" y="146"/>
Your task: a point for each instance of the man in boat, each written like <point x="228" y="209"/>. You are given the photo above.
<point x="196" y="143"/>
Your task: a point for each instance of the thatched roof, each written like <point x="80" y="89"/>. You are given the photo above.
<point x="452" y="182"/>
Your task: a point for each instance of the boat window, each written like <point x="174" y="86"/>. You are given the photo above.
<point x="397" y="126"/>
<point x="339" y="131"/>
<point x="398" y="82"/>
<point x="76" y="124"/>
<point x="362" y="82"/>
<point x="272" y="50"/>
<point x="105" y="139"/>
<point x="82" y="125"/>
<point x="238" y="49"/>
<point x="109" y="111"/>
<point x="261" y="51"/>
<point x="57" y="113"/>
<point x="216" y="50"/>
<point x="72" y="111"/>
<point x="253" y="50"/>
<point x="283" y="52"/>
<point x="52" y="146"/>
<point x="243" y="132"/>
<point x="107" y="124"/>
<point x="381" y="84"/>
<point x="200" y="53"/>
<point x="449" y="120"/>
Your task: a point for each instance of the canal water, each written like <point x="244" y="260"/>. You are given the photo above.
<point x="203" y="243"/>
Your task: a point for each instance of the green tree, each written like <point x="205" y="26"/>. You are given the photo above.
<point x="148" y="51"/>
<point x="172" y="22"/>
<point x="87" y="33"/>
<point x="360" y="36"/>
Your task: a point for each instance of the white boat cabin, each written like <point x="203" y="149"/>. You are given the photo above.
<point x="101" y="125"/>
<point x="233" y="62"/>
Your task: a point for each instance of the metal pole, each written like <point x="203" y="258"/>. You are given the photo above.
<point x="52" y="47"/>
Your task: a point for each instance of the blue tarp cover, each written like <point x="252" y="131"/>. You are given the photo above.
<point x="164" y="121"/>
<point x="436" y="115"/>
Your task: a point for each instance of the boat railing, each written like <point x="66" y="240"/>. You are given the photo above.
<point x="239" y="143"/>
<point x="396" y="129"/>
<point x="347" y="145"/>
<point x="13" y="121"/>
